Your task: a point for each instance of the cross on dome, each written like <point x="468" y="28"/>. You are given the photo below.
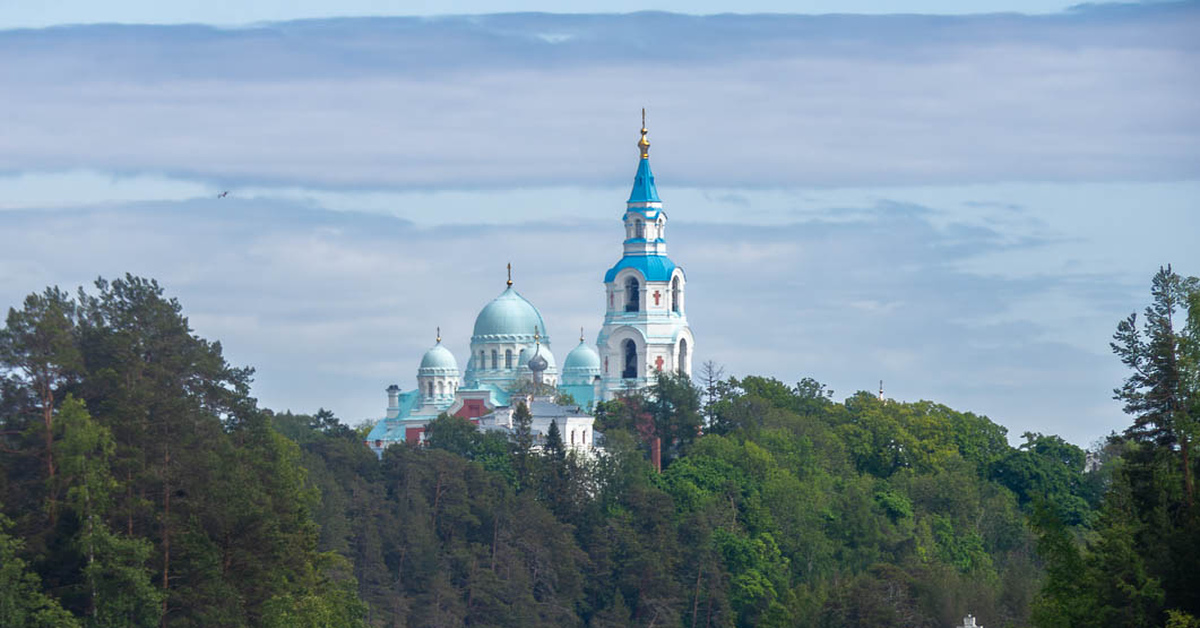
<point x="644" y="144"/>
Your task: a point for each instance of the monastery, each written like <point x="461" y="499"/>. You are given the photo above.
<point x="645" y="330"/>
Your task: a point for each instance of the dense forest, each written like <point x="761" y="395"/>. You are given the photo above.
<point x="142" y="485"/>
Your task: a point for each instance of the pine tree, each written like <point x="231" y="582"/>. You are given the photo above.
<point x="523" y="444"/>
<point x="1159" y="392"/>
<point x="39" y="344"/>
<point x="555" y="449"/>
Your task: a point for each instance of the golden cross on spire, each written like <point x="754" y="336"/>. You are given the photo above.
<point x="580" y="334"/>
<point x="537" y="337"/>
<point x="510" y="274"/>
<point x="644" y="144"/>
<point x="439" y="332"/>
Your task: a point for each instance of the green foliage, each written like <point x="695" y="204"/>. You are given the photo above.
<point x="117" y="581"/>
<point x="160" y="489"/>
<point x="1140" y="565"/>
<point x="1048" y="468"/>
<point x="22" y="602"/>
<point x="147" y="481"/>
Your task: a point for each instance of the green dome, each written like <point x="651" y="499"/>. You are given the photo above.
<point x="508" y="315"/>
<point x="582" y="357"/>
<point x="439" y="358"/>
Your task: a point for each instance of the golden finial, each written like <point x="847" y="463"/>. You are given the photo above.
<point x="580" y="334"/>
<point x="644" y="144"/>
<point x="439" y="336"/>
<point x="510" y="275"/>
<point x="537" y="337"/>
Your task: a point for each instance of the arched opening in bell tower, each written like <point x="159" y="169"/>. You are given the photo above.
<point x="675" y="295"/>
<point x="630" y="370"/>
<point x="683" y="349"/>
<point x="632" y="295"/>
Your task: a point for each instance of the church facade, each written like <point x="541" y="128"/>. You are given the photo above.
<point x="645" y="331"/>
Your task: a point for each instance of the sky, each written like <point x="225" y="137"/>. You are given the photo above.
<point x="962" y="206"/>
<point x="21" y="14"/>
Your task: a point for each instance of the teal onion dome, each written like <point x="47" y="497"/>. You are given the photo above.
<point x="582" y="357"/>
<point x="438" y="361"/>
<point x="508" y="316"/>
<point x="582" y="365"/>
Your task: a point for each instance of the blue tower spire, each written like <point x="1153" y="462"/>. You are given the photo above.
<point x="644" y="190"/>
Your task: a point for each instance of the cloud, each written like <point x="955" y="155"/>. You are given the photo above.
<point x="331" y="307"/>
<point x="487" y="101"/>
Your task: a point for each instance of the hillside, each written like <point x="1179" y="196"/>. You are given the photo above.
<point x="142" y="485"/>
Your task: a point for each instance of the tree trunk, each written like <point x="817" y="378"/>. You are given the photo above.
<point x="166" y="528"/>
<point x="1188" y="488"/>
<point x="91" y="519"/>
<point x="495" y="539"/>
<point x="129" y="502"/>
<point x="437" y="497"/>
<point x="696" y="597"/>
<point x="47" y="396"/>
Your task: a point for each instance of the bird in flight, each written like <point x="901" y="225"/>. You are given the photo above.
<point x="223" y="194"/>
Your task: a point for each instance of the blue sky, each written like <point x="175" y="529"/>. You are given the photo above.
<point x="960" y="205"/>
<point x="18" y="14"/>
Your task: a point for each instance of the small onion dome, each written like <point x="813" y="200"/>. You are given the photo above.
<point x="537" y="363"/>
<point x="583" y="358"/>
<point x="438" y="361"/>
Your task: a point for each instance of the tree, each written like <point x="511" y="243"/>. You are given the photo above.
<point x="710" y="376"/>
<point x="522" y="439"/>
<point x="674" y="404"/>
<point x="39" y="343"/>
<point x="1160" y="392"/>
<point x="118" y="584"/>
<point x="554" y="449"/>
<point x="22" y="602"/>
<point x="452" y="433"/>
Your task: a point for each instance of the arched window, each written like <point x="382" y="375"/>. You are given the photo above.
<point x="441" y="389"/>
<point x="430" y="389"/>
<point x="632" y="295"/>
<point x="482" y="361"/>
<point x="508" y="358"/>
<point x="639" y="229"/>
<point x="572" y="438"/>
<point x="682" y="365"/>
<point x="495" y="363"/>
<point x="675" y="295"/>
<point x="631" y="370"/>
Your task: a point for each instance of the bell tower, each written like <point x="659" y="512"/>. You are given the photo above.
<point x="645" y="323"/>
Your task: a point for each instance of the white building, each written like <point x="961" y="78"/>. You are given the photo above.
<point x="645" y="330"/>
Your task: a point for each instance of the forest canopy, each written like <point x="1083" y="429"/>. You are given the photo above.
<point x="142" y="485"/>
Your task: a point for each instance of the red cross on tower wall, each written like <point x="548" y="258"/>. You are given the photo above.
<point x="657" y="296"/>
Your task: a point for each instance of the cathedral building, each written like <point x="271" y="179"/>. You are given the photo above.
<point x="645" y="331"/>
